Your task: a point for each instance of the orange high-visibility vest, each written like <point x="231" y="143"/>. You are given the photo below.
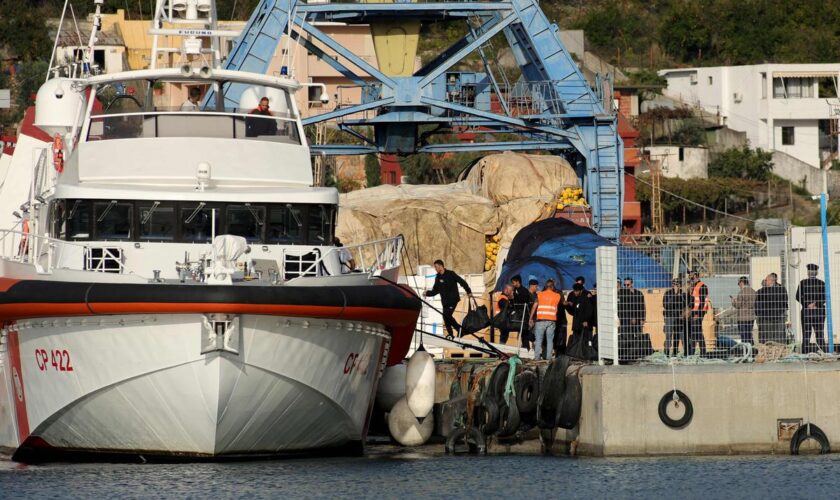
<point x="547" y="302"/>
<point x="695" y="294"/>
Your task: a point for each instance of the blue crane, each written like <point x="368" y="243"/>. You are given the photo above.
<point x="551" y="107"/>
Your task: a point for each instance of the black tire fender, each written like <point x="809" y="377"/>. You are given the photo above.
<point x="498" y="382"/>
<point x="527" y="392"/>
<point x="677" y="397"/>
<point x="806" y="432"/>
<point x="568" y="414"/>
<point x="472" y="438"/>
<point x="487" y="416"/>
<point x="552" y="386"/>
<point x="509" y="419"/>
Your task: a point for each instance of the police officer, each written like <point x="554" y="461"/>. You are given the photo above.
<point x="811" y="295"/>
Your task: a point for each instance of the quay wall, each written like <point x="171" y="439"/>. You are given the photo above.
<point x="738" y="408"/>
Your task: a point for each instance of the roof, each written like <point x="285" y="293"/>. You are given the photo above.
<point x="69" y="37"/>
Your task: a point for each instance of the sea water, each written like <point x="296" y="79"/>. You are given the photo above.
<point x="430" y="475"/>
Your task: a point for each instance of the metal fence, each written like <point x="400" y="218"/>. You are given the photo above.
<point x="735" y="303"/>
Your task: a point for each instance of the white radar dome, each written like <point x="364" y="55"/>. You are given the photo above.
<point x="277" y="99"/>
<point x="58" y="107"/>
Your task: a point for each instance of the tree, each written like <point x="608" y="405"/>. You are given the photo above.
<point x="743" y="163"/>
<point x="373" y="171"/>
<point x="23" y="31"/>
<point x="685" y="31"/>
<point x="418" y="168"/>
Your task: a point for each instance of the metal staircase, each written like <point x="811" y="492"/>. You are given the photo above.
<point x="551" y="108"/>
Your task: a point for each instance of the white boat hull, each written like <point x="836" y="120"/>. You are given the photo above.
<point x="148" y="385"/>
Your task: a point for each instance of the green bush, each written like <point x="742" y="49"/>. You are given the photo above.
<point x="742" y="163"/>
<point x="373" y="172"/>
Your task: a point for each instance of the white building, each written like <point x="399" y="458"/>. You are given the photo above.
<point x="782" y="107"/>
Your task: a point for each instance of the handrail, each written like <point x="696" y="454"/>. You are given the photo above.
<point x="386" y="255"/>
<point x="19" y="246"/>
<point x="192" y="113"/>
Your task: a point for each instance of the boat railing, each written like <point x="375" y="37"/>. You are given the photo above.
<point x="209" y="124"/>
<point x="372" y="257"/>
<point x="48" y="254"/>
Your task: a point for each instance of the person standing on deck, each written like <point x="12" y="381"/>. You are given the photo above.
<point x="446" y="284"/>
<point x="744" y="302"/>
<point x="700" y="304"/>
<point x="533" y="287"/>
<point x="544" y="318"/>
<point x="811" y="295"/>
<point x="675" y="302"/>
<point x="771" y="305"/>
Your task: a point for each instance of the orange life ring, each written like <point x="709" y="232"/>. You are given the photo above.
<point x="58" y="153"/>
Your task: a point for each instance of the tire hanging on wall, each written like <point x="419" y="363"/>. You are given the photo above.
<point x="487" y="416"/>
<point x="472" y="439"/>
<point x="806" y="432"/>
<point x="498" y="382"/>
<point x="509" y="419"/>
<point x="568" y="413"/>
<point x="677" y="397"/>
<point x="527" y="392"/>
<point x="552" y="386"/>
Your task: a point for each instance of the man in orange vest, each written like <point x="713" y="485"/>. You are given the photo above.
<point x="543" y="319"/>
<point x="699" y="305"/>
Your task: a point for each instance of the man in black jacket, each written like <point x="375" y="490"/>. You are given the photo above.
<point x="811" y="295"/>
<point x="579" y="305"/>
<point x="771" y="305"/>
<point x="675" y="306"/>
<point x="446" y="284"/>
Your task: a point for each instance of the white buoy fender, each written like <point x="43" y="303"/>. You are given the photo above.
<point x="420" y="383"/>
<point x="405" y="428"/>
<point x="391" y="387"/>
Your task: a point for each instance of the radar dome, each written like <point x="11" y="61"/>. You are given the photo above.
<point x="58" y="106"/>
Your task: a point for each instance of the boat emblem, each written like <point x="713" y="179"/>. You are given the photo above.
<point x="18" y="384"/>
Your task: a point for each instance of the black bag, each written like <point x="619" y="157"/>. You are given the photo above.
<point x="476" y="318"/>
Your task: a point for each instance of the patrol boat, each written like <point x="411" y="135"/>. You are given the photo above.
<point x="172" y="288"/>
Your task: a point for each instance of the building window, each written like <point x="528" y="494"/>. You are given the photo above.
<point x="827" y="87"/>
<point x="787" y="136"/>
<point x="793" y="88"/>
<point x="710" y="80"/>
<point x="764" y="85"/>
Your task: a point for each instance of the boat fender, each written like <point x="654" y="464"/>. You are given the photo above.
<point x="487" y="416"/>
<point x="391" y="387"/>
<point x="677" y="397"/>
<point x="472" y="438"/>
<point x="552" y="386"/>
<point x="420" y="383"/>
<point x="809" y="431"/>
<point x="498" y="381"/>
<point x="405" y="428"/>
<point x="509" y="419"/>
<point x="527" y="392"/>
<point x="568" y="413"/>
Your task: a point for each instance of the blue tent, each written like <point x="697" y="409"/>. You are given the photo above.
<point x="562" y="250"/>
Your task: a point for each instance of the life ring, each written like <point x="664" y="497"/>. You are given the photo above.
<point x="472" y="438"/>
<point x="58" y="153"/>
<point x="552" y="386"/>
<point x="568" y="413"/>
<point x="675" y="396"/>
<point x="487" y="416"/>
<point x="527" y="392"/>
<point x="509" y="419"/>
<point x="809" y="431"/>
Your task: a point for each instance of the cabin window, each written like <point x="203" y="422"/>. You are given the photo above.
<point x="246" y="221"/>
<point x="77" y="220"/>
<point x="197" y="222"/>
<point x="112" y="220"/>
<point x="319" y="225"/>
<point x="285" y="224"/>
<point x="156" y="220"/>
